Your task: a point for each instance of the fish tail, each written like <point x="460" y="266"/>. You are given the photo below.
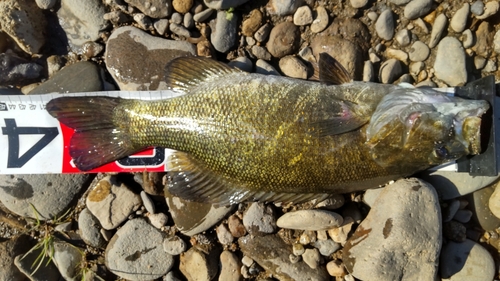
<point x="97" y="139"/>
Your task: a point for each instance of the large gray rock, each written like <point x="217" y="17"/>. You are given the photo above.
<point x="273" y="254"/>
<point x="466" y="261"/>
<point x="28" y="28"/>
<point x="68" y="259"/>
<point x="90" y="229"/>
<point x="81" y="21"/>
<point x="224" y="31"/>
<point x="400" y="238"/>
<point x="130" y="51"/>
<point x="450" y="62"/>
<point x="138" y="259"/>
<point x="50" y="194"/>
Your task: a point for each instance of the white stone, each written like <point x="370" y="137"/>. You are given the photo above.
<point x="310" y="220"/>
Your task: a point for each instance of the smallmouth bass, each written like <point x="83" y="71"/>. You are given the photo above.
<point x="242" y="136"/>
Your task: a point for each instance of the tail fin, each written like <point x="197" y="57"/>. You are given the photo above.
<point x="97" y="140"/>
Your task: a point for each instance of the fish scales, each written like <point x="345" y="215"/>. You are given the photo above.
<point x="257" y="130"/>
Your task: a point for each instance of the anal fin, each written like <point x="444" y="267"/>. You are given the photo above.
<point x="192" y="181"/>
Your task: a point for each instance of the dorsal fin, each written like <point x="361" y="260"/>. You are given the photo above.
<point x="193" y="181"/>
<point x="185" y="72"/>
<point x="331" y="71"/>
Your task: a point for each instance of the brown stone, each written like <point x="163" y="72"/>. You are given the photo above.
<point x="252" y="23"/>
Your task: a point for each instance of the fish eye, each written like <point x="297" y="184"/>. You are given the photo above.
<point x="441" y="152"/>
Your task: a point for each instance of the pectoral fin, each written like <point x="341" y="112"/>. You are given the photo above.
<point x="337" y="117"/>
<point x="331" y="71"/>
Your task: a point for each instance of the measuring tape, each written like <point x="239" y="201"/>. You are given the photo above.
<point x="33" y="142"/>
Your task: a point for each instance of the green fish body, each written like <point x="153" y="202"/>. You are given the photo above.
<point x="242" y="136"/>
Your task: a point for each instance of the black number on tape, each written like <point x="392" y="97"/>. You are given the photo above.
<point x="157" y="159"/>
<point x="13" y="131"/>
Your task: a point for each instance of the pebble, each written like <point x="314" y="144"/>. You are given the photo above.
<point x="67" y="259"/>
<point x="203" y="15"/>
<point x="138" y="259"/>
<point x="293" y="67"/>
<point x="9" y="249"/>
<point x="490" y="9"/>
<point x="480" y="208"/>
<point x="419" y="51"/>
<point x="298" y="249"/>
<point x="463" y="216"/>
<point x="243" y="63"/>
<point x="388" y="235"/>
<point x="261" y="53"/>
<point x="188" y="21"/>
<point x="147" y="202"/>
<point x="466" y="261"/>
<point x="143" y="21"/>
<point x="311" y="258"/>
<point x="224" y="235"/>
<point x="50" y="194"/>
<point x="171" y="276"/>
<point x="400" y="2"/>
<point x="340" y="234"/>
<point x="390" y="71"/>
<point x="158" y="220"/>
<point x="326" y="247"/>
<point x="236" y="227"/>
<point x="174" y="245"/>
<point x="417" y="8"/>
<point x="372" y="15"/>
<point x="494" y="202"/>
<point x="358" y="3"/>
<point x="224" y="33"/>
<point x="454" y="231"/>
<point x="230" y="267"/>
<point x="335" y="268"/>
<point x="477" y="8"/>
<point x="490" y="66"/>
<point x="223" y="4"/>
<point x="24" y="263"/>
<point x="82" y="21"/>
<point x="45" y="4"/>
<point x="263" y="32"/>
<point x="403" y="37"/>
<point x="182" y="6"/>
<point x="459" y="20"/>
<point x="155" y="52"/>
<point x="192" y="217"/>
<point x="156" y="9"/>
<point x="284" y="40"/>
<point x="368" y="72"/>
<point x="263" y="67"/>
<point x="251" y="24"/>
<point x="24" y="22"/>
<point x="397" y="54"/>
<point x="450" y="211"/>
<point x="259" y="219"/>
<point x="179" y="30"/>
<point x="89" y="228"/>
<point x="196" y="265"/>
<point x="273" y="254"/>
<point x="385" y="25"/>
<point x="15" y="70"/>
<point x="437" y="30"/>
<point x="176" y="18"/>
<point x="468" y="38"/>
<point x="303" y="16"/>
<point x="449" y="65"/>
<point x="310" y="220"/>
<point x="332" y="203"/>
<point x="484" y="39"/>
<point x="283" y="8"/>
<point x="496" y="42"/>
<point x="321" y="21"/>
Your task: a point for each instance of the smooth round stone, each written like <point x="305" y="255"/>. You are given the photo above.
<point x="466" y="261"/>
<point x="368" y="72"/>
<point x="311" y="258"/>
<point x="321" y="21"/>
<point x="138" y="259"/>
<point x="417" y="8"/>
<point x="454" y="231"/>
<point x="182" y="6"/>
<point x="261" y="53"/>
<point x="468" y="38"/>
<point x="174" y="245"/>
<point x="293" y="67"/>
<point x="224" y="235"/>
<point x="463" y="216"/>
<point x="477" y="8"/>
<point x="494" y="202"/>
<point x="490" y="9"/>
<point x="188" y="21"/>
<point x="481" y="212"/>
<point x="158" y="220"/>
<point x="400" y="2"/>
<point x="224" y="35"/>
<point x="45" y="4"/>
<point x="67" y="259"/>
<point x="242" y="63"/>
<point x="450" y="64"/>
<point x="358" y="3"/>
<point x="397" y="54"/>
<point x="310" y="220"/>
<point x="283" y="8"/>
<point x="251" y="24"/>
<point x="335" y="268"/>
<point x="403" y="37"/>
<point x="263" y="67"/>
<point x="385" y="25"/>
<point x="176" y="18"/>
<point x="203" y="15"/>
<point x="229" y="267"/>
<point x="235" y="226"/>
<point x="90" y="229"/>
<point x="147" y="202"/>
<point x="419" y="51"/>
<point x="450" y="211"/>
<point x="303" y="16"/>
<point x="390" y="71"/>
<point x="459" y="20"/>
<point x="326" y="247"/>
<point x="437" y="30"/>
<point x="284" y="39"/>
<point x="263" y="32"/>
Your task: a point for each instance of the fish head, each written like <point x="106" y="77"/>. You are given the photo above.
<point x="414" y="129"/>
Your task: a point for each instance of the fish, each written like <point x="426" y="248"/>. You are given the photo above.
<point x="241" y="136"/>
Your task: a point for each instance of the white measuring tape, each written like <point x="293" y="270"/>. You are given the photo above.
<point x="33" y="142"/>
